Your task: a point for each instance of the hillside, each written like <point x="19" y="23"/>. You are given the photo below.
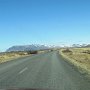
<point x="27" y="48"/>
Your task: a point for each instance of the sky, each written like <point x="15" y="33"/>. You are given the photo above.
<point x="50" y="22"/>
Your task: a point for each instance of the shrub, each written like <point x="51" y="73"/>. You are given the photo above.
<point x="67" y="50"/>
<point x="32" y="52"/>
<point x="87" y="51"/>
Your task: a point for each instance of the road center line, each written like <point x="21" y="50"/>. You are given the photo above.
<point x="23" y="70"/>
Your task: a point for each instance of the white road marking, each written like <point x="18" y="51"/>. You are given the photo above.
<point x="23" y="70"/>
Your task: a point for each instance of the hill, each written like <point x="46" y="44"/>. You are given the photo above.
<point x="27" y="48"/>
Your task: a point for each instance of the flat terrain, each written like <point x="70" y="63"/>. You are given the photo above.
<point x="44" y="71"/>
<point x="80" y="57"/>
<point x="8" y="56"/>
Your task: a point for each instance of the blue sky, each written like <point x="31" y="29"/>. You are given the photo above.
<point x="48" y="22"/>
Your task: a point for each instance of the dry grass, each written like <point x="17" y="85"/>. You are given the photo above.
<point x="41" y="51"/>
<point x="78" y="58"/>
<point x="4" y="57"/>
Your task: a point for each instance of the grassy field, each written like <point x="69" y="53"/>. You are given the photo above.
<point x="7" y="56"/>
<point x="80" y="57"/>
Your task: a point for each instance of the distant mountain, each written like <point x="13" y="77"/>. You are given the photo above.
<point x="76" y="45"/>
<point x="81" y="45"/>
<point x="27" y="48"/>
<point x="87" y="45"/>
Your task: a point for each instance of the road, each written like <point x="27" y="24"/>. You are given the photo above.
<point x="44" y="71"/>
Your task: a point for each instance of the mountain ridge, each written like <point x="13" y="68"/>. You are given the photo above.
<point x="32" y="47"/>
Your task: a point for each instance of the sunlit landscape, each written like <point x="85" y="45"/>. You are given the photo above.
<point x="44" y="44"/>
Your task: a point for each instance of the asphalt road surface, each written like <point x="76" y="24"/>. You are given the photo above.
<point x="42" y="71"/>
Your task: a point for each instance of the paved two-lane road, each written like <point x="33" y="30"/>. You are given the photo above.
<point x="44" y="71"/>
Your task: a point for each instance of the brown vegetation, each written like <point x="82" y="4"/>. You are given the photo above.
<point x="80" y="57"/>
